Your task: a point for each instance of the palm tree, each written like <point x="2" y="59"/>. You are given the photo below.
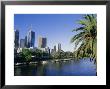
<point x="86" y="38"/>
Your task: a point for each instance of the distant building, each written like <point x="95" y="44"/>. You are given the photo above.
<point x="52" y="51"/>
<point x="42" y="42"/>
<point x="54" y="48"/>
<point x="22" y="43"/>
<point x="59" y="47"/>
<point x="47" y="49"/>
<point x="16" y="38"/>
<point x="26" y="41"/>
<point x="30" y="38"/>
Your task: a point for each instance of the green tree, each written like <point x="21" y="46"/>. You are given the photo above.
<point x="38" y="53"/>
<point x="26" y="54"/>
<point x="86" y="38"/>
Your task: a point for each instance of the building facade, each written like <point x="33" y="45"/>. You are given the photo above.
<point x="42" y="42"/>
<point x="59" y="47"/>
<point x="22" y="43"/>
<point x="26" y="41"/>
<point x="30" y="39"/>
<point x="16" y="38"/>
<point x="55" y="48"/>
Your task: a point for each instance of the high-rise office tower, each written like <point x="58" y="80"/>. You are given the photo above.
<point x="30" y="38"/>
<point x="22" y="43"/>
<point x="42" y="42"/>
<point x="16" y="38"/>
<point x="59" y="47"/>
<point x="26" y="41"/>
<point x="55" y="48"/>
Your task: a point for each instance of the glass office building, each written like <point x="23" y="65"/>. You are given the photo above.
<point x="30" y="39"/>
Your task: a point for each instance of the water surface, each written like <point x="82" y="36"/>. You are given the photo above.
<point x="66" y="68"/>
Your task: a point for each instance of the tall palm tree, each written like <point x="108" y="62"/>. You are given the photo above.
<point x="86" y="38"/>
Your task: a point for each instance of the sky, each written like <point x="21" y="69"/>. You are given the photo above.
<point x="57" y="28"/>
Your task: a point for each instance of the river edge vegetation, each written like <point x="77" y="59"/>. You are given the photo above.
<point x="85" y="45"/>
<point x="28" y="55"/>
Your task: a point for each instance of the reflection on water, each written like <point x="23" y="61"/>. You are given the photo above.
<point x="68" y="68"/>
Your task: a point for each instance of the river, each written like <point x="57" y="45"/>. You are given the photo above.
<point x="63" y="68"/>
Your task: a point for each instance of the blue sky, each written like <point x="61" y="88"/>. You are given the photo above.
<point x="57" y="28"/>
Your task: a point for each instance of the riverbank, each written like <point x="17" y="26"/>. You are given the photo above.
<point x="43" y="62"/>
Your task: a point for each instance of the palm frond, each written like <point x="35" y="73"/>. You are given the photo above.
<point x="87" y="36"/>
<point x="78" y="41"/>
<point x="78" y="29"/>
<point x="77" y="36"/>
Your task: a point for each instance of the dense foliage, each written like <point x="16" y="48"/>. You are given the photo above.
<point x="28" y="55"/>
<point x="86" y="38"/>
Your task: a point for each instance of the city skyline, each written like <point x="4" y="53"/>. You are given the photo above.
<point x="58" y="29"/>
<point x="29" y="41"/>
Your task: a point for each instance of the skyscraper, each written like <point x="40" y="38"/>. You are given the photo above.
<point x="59" y="47"/>
<point x="30" y="38"/>
<point x="22" y="43"/>
<point x="16" y="39"/>
<point x="26" y="41"/>
<point x="55" y="48"/>
<point x="42" y="42"/>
